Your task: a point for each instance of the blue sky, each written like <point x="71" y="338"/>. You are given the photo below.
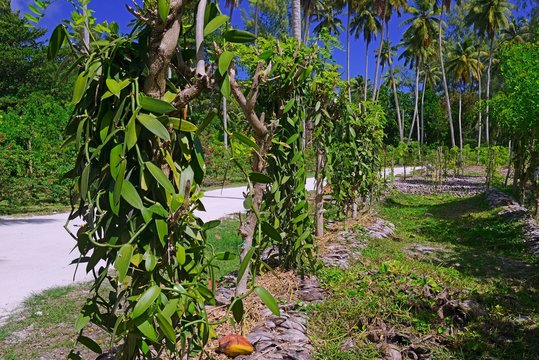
<point x="114" y="10"/>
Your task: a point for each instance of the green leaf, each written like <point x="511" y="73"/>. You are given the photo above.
<point x="123" y="259"/>
<point x="114" y="86"/>
<point x="268" y="300"/>
<point x="211" y="224"/>
<point x="131" y="133"/>
<point x="81" y="322"/>
<point x="224" y="61"/>
<point x="239" y="36"/>
<point x="161" y="178"/>
<point x="163" y="8"/>
<point x="182" y="125"/>
<point x="245" y="263"/>
<point x="55" y="42"/>
<point x="271" y="231"/>
<point x="214" y="24"/>
<point x="237" y="310"/>
<point x="225" y="255"/>
<point x="90" y="344"/>
<point x="180" y="254"/>
<point x="145" y="301"/>
<point x="151" y="123"/>
<point x="211" y="115"/>
<point x="225" y="87"/>
<point x="115" y="160"/>
<point x="289" y="105"/>
<point x="150" y="261"/>
<point x="147" y="329"/>
<point x="130" y="194"/>
<point x="162" y="230"/>
<point x="79" y="87"/>
<point x="245" y="140"/>
<point x="119" y="182"/>
<point x="166" y="328"/>
<point x="84" y="178"/>
<point x="155" y="105"/>
<point x="260" y="178"/>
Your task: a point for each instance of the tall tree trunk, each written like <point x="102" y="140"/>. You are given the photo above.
<point x="296" y="19"/>
<point x="444" y="79"/>
<point x="366" y="79"/>
<point x="479" y="121"/>
<point x="509" y="164"/>
<point x="256" y="18"/>
<point x="225" y="124"/>
<point x="416" y="105"/>
<point x="378" y="59"/>
<point x="460" y="119"/>
<point x="348" y="52"/>
<point x="422" y="140"/>
<point x="487" y="116"/>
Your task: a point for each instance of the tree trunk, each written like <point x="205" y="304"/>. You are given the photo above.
<point x="366" y="79"/>
<point x="256" y="18"/>
<point x="296" y="19"/>
<point x="397" y="105"/>
<point x="378" y="59"/>
<point x="225" y="124"/>
<point x="444" y="79"/>
<point x="460" y="120"/>
<point x="319" y="198"/>
<point x="487" y="116"/>
<point x="422" y="139"/>
<point x="509" y="164"/>
<point x="416" y="105"/>
<point x="479" y="121"/>
<point x="348" y="52"/>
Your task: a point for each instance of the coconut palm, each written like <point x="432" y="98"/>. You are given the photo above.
<point x="326" y="18"/>
<point x="445" y="4"/>
<point x="418" y="42"/>
<point x="489" y="17"/>
<point x="366" y="23"/>
<point x="384" y="11"/>
<point x="464" y="66"/>
<point x="393" y="81"/>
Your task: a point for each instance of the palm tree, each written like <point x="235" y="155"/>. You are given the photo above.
<point x="418" y="41"/>
<point x="384" y="10"/>
<point x="445" y="4"/>
<point x="326" y="17"/>
<point x="393" y="82"/>
<point x="366" y="22"/>
<point x="464" y="66"/>
<point x="489" y="17"/>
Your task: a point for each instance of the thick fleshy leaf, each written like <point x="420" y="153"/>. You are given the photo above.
<point x="246" y="140"/>
<point x="158" y="175"/>
<point x="225" y="87"/>
<point x="225" y="255"/>
<point x="237" y="310"/>
<point x="214" y="24"/>
<point x="224" y="61"/>
<point x="166" y="328"/>
<point x="182" y="125"/>
<point x="155" y="105"/>
<point x="260" y="178"/>
<point x="151" y="123"/>
<point x="130" y="194"/>
<point x="244" y="263"/>
<point x="145" y="301"/>
<point x="55" y="43"/>
<point x="147" y="329"/>
<point x="90" y="344"/>
<point x="79" y="87"/>
<point x="123" y="259"/>
<point x="271" y="231"/>
<point x="163" y="8"/>
<point x="239" y="36"/>
<point x="268" y="300"/>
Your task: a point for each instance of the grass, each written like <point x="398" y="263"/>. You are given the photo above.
<point x="27" y="210"/>
<point x="44" y="325"/>
<point x="393" y="290"/>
